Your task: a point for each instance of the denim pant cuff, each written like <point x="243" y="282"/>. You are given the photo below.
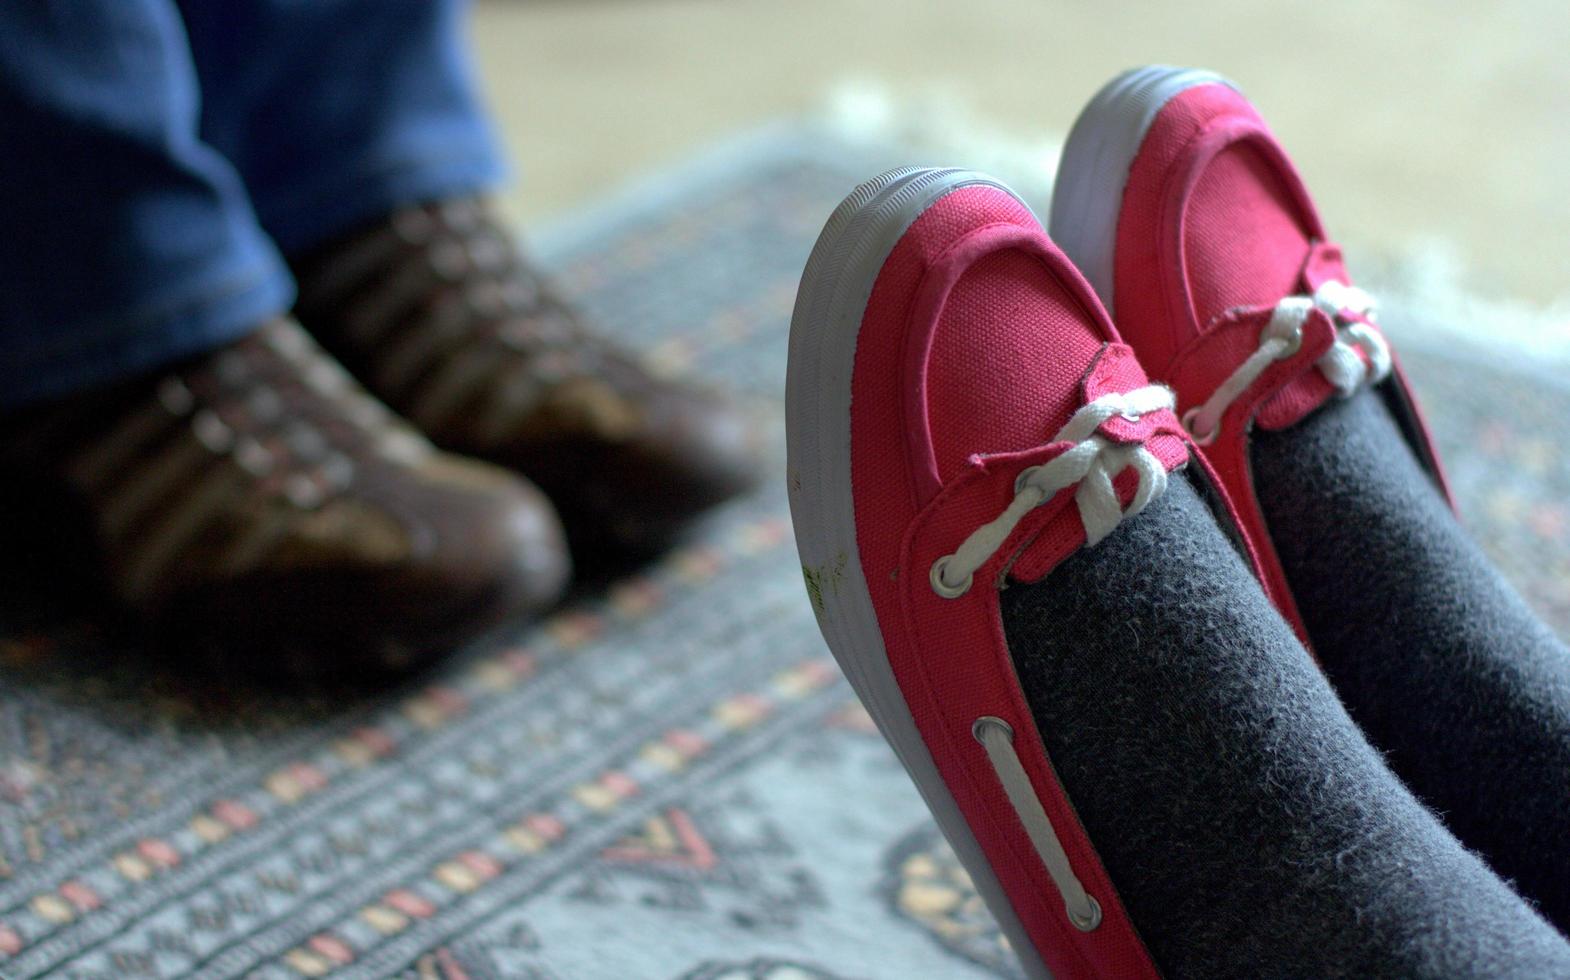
<point x="314" y="214"/>
<point x="215" y="315"/>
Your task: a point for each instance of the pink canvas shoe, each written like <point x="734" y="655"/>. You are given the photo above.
<point x="1181" y="209"/>
<point x="961" y="412"/>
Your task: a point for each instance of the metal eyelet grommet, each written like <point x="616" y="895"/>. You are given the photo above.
<point x="1293" y="336"/>
<point x="1024" y="475"/>
<point x="1294" y="343"/>
<point x="1086" y="919"/>
<point x="979" y="728"/>
<point x="1188" y="425"/>
<point x="942" y="587"/>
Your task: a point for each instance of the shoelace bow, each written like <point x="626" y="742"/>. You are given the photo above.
<point x="1360" y="355"/>
<point x="1092" y="463"/>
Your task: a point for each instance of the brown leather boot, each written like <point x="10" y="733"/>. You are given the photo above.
<point x="256" y="505"/>
<point x="438" y="313"/>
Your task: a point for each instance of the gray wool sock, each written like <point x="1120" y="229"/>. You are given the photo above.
<point x="1250" y="828"/>
<point x="1436" y="656"/>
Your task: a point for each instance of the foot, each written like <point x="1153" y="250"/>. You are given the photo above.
<point x="255" y="507"/>
<point x="1435" y="655"/>
<point x="1188" y="217"/>
<point x="1138" y="763"/>
<point x="436" y="311"/>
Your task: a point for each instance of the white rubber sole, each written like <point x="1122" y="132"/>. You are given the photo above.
<point x="1093" y="170"/>
<point x="835" y="288"/>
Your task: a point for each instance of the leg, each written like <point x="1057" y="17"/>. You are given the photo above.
<point x="362" y="140"/>
<point x="1253" y="830"/>
<point x="358" y="108"/>
<point x="1437" y="657"/>
<point x="130" y="242"/>
<point x="244" y="499"/>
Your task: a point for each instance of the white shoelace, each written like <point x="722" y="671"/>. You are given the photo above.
<point x="997" y="737"/>
<point x="1091" y="463"/>
<point x="1343" y="365"/>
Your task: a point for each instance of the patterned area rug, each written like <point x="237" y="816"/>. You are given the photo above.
<point x="667" y="779"/>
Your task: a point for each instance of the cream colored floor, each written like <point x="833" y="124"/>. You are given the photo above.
<point x="1414" y="122"/>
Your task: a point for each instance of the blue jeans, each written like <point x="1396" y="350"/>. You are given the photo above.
<point x="158" y="157"/>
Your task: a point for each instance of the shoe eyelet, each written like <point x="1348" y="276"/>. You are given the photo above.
<point x="941" y="587"/>
<point x="1292" y="336"/>
<point x="1188" y="424"/>
<point x="1023" y="477"/>
<point x="1088" y="919"/>
<point x="978" y="729"/>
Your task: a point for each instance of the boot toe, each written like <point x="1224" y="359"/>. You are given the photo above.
<point x="636" y="494"/>
<point x="461" y="551"/>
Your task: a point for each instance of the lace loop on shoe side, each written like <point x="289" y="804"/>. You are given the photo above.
<point x="997" y="738"/>
<point x="1092" y="463"/>
<point x="1360" y="355"/>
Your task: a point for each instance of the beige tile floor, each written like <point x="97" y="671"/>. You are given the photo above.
<point x="1415" y="122"/>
